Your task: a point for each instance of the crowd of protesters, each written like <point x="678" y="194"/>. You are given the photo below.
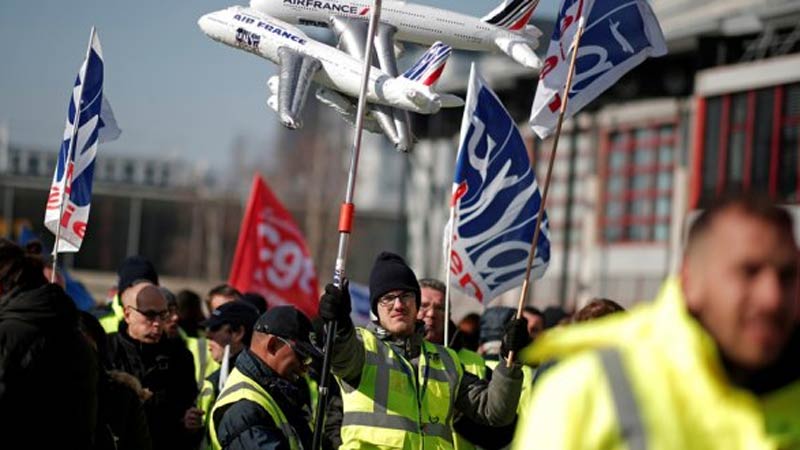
<point x="712" y="362"/>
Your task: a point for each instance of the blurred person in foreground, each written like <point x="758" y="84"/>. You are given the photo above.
<point x="399" y="390"/>
<point x="164" y="367"/>
<point x="259" y="408"/>
<point x="48" y="371"/>
<point x="711" y="364"/>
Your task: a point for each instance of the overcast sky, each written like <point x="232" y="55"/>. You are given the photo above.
<point x="173" y="90"/>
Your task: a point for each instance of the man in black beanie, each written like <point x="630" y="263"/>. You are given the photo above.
<point x="399" y="390"/>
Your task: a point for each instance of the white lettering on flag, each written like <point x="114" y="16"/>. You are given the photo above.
<point x="618" y="36"/>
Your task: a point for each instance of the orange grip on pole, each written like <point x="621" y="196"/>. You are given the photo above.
<point x="346" y="213"/>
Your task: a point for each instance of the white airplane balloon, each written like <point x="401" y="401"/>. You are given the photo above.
<point x="302" y="59"/>
<point x="505" y="29"/>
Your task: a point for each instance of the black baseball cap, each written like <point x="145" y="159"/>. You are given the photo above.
<point x="289" y="323"/>
<point x="236" y="314"/>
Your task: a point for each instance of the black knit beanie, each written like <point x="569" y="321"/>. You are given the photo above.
<point x="132" y="269"/>
<point x="390" y="272"/>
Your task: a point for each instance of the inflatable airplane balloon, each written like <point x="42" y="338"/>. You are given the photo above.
<point x="303" y="60"/>
<point x="505" y="29"/>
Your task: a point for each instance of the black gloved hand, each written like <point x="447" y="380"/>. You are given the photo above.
<point x="515" y="337"/>
<point x="334" y="305"/>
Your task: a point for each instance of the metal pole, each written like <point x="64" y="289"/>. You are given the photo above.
<point x="70" y="151"/>
<point x="346" y="213"/>
<point x="523" y="296"/>
<point x="447" y="273"/>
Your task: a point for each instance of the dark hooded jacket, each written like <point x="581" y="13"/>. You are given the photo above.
<point x="48" y="372"/>
<point x="167" y="370"/>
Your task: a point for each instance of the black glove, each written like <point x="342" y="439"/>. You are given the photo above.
<point x="515" y="337"/>
<point x="334" y="305"/>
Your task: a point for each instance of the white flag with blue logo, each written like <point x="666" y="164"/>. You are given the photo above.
<point x="496" y="200"/>
<point x="618" y="36"/>
<point x="72" y="180"/>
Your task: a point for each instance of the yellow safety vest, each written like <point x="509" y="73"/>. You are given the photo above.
<point x="110" y="322"/>
<point x="527" y="383"/>
<point x="648" y="379"/>
<point x="472" y="362"/>
<point x="204" y="364"/>
<point x="395" y="408"/>
<point x="240" y="387"/>
<point x="313" y="395"/>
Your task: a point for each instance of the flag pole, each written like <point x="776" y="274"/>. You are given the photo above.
<point x="346" y="214"/>
<point x="447" y="272"/>
<point x="523" y="296"/>
<point x="70" y="150"/>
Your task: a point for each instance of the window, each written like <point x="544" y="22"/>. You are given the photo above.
<point x="751" y="142"/>
<point x="638" y="183"/>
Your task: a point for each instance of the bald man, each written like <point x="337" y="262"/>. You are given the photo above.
<point x="141" y="349"/>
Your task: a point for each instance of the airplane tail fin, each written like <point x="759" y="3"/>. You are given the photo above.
<point x="430" y="66"/>
<point x="512" y="14"/>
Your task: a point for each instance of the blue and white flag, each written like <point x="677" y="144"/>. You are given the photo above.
<point x="618" y="36"/>
<point x="496" y="199"/>
<point x="72" y="180"/>
<point x="359" y="296"/>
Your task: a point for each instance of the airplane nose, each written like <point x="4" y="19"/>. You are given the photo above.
<point x="208" y="26"/>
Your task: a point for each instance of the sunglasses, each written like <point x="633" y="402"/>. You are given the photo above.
<point x="304" y="357"/>
<point x="152" y="315"/>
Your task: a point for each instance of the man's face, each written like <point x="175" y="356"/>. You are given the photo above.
<point x="431" y="312"/>
<point x="535" y="323"/>
<point x="218" y="300"/>
<point x="397" y="312"/>
<point x="741" y="282"/>
<point x="287" y="363"/>
<point x="146" y="318"/>
<point x="171" y="324"/>
<point x="218" y="338"/>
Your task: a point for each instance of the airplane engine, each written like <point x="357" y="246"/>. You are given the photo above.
<point x="272" y="84"/>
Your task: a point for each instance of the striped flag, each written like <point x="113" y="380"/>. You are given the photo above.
<point x="71" y="190"/>
<point x="495" y="199"/>
<point x="618" y="36"/>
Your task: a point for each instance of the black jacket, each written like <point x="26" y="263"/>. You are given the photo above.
<point x="245" y="425"/>
<point x="121" y="422"/>
<point x="48" y="372"/>
<point x="167" y="370"/>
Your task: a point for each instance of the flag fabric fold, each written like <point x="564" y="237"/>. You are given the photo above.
<point x="618" y="36"/>
<point x="496" y="200"/>
<point x="272" y="257"/>
<point x="72" y="180"/>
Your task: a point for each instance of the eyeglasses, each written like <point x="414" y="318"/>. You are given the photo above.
<point x="404" y="297"/>
<point x="152" y="315"/>
<point x="304" y="357"/>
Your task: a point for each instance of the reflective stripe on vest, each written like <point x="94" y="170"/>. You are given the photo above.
<point x="398" y="406"/>
<point x="628" y="417"/>
<point x="240" y="387"/>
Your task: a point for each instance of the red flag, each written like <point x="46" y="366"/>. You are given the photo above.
<point x="271" y="255"/>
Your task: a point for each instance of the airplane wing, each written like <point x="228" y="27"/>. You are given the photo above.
<point x="296" y="72"/>
<point x="395" y="123"/>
